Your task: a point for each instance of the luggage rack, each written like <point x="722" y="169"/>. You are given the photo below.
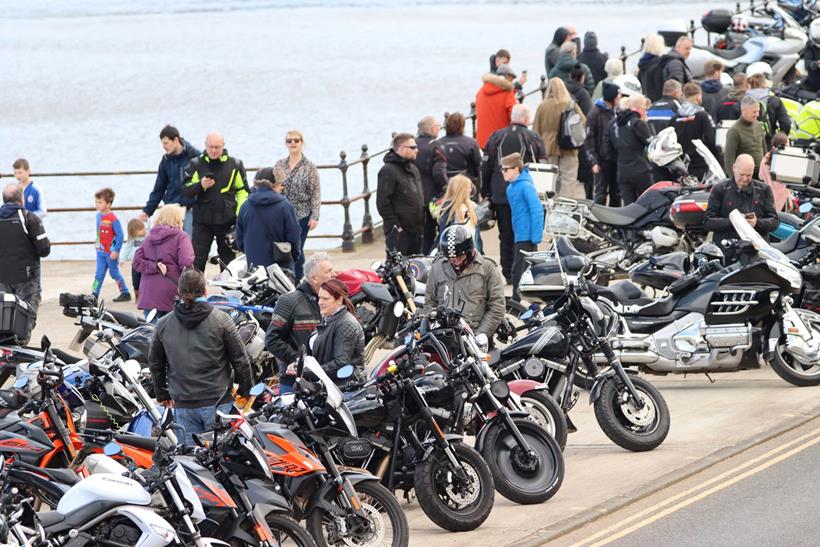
<point x="564" y="218"/>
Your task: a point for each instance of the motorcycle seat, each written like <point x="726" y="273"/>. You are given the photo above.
<point x="65" y="476"/>
<point x="789" y="218"/>
<point x="618" y="216"/>
<point x="75" y="519"/>
<point x="728" y="54"/>
<point x="624" y="292"/>
<point x="787" y="245"/>
<point x="565" y="247"/>
<point x="11" y="398"/>
<point x="50" y="518"/>
<point x="126" y="319"/>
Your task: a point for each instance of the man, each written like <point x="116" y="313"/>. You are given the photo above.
<point x="170" y="174"/>
<point x="515" y="138"/>
<point x="673" y="64"/>
<point x="494" y="103"/>
<point x="714" y="94"/>
<point x="746" y="136"/>
<point x="23" y="242"/>
<point x="503" y="57"/>
<point x="773" y="114"/>
<point x="266" y="219"/>
<point x="693" y="122"/>
<point x="32" y="194"/>
<point x="400" y="197"/>
<point x="295" y="316"/>
<point x="729" y="109"/>
<point x="432" y="165"/>
<point x="577" y="88"/>
<point x="604" y="166"/>
<point x="593" y="58"/>
<point x="627" y="138"/>
<point x="751" y="197"/>
<point x="218" y="185"/>
<point x="562" y="35"/>
<point x="566" y="61"/>
<point x="660" y="113"/>
<point x="527" y="213"/>
<point x="196" y="355"/>
<point x="811" y="59"/>
<point x="465" y="280"/>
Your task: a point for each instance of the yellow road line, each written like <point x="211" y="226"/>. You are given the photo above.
<point x="716" y="479"/>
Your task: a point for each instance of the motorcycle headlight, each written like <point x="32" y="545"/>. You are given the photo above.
<point x="787" y="272"/>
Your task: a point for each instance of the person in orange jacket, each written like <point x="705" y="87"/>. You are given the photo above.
<point x="494" y="102"/>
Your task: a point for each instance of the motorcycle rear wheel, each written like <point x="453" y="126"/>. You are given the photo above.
<point x="452" y="506"/>
<point x="638" y="430"/>
<point x="517" y="479"/>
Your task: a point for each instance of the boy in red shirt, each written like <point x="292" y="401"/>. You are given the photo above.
<point x="109" y="241"/>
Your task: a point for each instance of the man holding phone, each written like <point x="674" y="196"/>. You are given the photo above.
<point x="741" y="192"/>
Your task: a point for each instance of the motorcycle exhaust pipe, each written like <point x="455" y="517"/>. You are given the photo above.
<point x="383" y="465"/>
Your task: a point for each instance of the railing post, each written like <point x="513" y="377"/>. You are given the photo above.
<point x="473" y="116"/>
<point x="623" y="57"/>
<point x="348" y="245"/>
<point x="367" y="220"/>
<point x="543" y="86"/>
<point x="737" y="7"/>
<point x="692" y="28"/>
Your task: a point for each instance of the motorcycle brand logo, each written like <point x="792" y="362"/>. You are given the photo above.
<point x="19" y="445"/>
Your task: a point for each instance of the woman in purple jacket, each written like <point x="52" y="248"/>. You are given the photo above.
<point x="161" y="259"/>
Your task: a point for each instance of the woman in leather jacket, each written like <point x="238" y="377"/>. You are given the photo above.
<point x="339" y="337"/>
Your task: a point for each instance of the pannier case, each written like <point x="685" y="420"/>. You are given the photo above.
<point x="544" y="177"/>
<point x="795" y="165"/>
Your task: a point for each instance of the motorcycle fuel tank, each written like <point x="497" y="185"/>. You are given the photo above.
<point x="103" y="487"/>
<point x="548" y="342"/>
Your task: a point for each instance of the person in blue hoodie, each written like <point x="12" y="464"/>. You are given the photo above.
<point x="527" y="212"/>
<point x="267" y="217"/>
<point x="170" y="175"/>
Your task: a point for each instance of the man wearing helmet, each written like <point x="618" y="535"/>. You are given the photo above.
<point x="463" y="279"/>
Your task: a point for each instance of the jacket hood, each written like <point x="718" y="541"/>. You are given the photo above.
<point x="262" y="197"/>
<point x="9" y="210"/>
<point x="625" y="116"/>
<point x="601" y="103"/>
<point x="525" y="176"/>
<point x="393" y="157"/>
<point x="737" y="94"/>
<point x="565" y="62"/>
<point x="711" y="86"/>
<point x="758" y="94"/>
<point x="493" y="83"/>
<point x="186" y="150"/>
<point x="645" y="58"/>
<point x="560" y="36"/>
<point x="161" y="233"/>
<point x="590" y="41"/>
<point x="689" y="109"/>
<point x="193" y="316"/>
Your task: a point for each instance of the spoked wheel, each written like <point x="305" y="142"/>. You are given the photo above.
<point x="386" y="526"/>
<point x="287" y="532"/>
<point x="789" y="365"/>
<point x="521" y="477"/>
<point x="453" y="503"/>
<point x="638" y="428"/>
<point x="547" y="413"/>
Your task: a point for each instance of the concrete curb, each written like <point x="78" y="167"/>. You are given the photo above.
<point x="555" y="531"/>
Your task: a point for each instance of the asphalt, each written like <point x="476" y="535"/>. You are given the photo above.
<point x="711" y="422"/>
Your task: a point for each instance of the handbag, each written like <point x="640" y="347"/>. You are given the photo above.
<point x="282" y="252"/>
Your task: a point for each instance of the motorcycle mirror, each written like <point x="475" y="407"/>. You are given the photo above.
<point x="257" y="390"/>
<point x="21" y="382"/>
<point x="345" y="372"/>
<point x="375" y="265"/>
<point x="398" y="309"/>
<point x="526" y="315"/>
<point x="806" y="207"/>
<point x="151" y="316"/>
<point x="45" y="343"/>
<point x="112" y="449"/>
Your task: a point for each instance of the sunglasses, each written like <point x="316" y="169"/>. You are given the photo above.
<point x="293" y="141"/>
<point x="411" y="147"/>
<point x="505" y="169"/>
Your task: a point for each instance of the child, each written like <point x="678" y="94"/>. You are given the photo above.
<point x="32" y="195"/>
<point x="136" y="235"/>
<point x="109" y="242"/>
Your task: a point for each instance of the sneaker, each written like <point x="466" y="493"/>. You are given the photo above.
<point x="123" y="297"/>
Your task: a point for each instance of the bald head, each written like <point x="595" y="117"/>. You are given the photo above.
<point x="743" y="170"/>
<point x="214" y="145"/>
<point x="12" y="194"/>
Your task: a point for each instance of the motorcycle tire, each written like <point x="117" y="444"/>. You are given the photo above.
<point x="787" y="366"/>
<point x="285" y="528"/>
<point x="376" y="499"/>
<point x="546" y="412"/>
<point x="636" y="430"/>
<point x="435" y="490"/>
<point x="517" y="480"/>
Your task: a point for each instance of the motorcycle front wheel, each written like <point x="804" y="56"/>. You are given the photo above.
<point x="287" y="531"/>
<point x="453" y="504"/>
<point x="519" y="477"/>
<point x="634" y="428"/>
<point x="790" y="367"/>
<point x="547" y="413"/>
<point x="388" y="523"/>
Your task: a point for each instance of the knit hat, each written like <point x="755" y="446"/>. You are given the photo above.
<point x="512" y="160"/>
<point x="505" y="70"/>
<point x="273" y="176"/>
<point x="610" y="91"/>
<point x="590" y="40"/>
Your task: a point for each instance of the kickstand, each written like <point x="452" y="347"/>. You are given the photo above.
<point x="711" y="380"/>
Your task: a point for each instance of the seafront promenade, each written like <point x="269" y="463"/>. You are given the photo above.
<point x="713" y="424"/>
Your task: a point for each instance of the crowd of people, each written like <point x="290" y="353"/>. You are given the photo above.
<point x="430" y="190"/>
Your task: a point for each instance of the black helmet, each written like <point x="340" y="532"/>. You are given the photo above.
<point x="457" y="240"/>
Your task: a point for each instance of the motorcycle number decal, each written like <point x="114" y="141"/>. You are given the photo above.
<point x="19" y="445"/>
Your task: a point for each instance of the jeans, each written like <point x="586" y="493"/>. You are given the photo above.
<point x="506" y="238"/>
<point x="300" y="262"/>
<point x="520" y="264"/>
<point x="204" y="235"/>
<point x="30" y="292"/>
<point x="106" y="263"/>
<point x="199" y="419"/>
<point x="188" y="223"/>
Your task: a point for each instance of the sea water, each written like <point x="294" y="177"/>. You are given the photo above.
<point x="87" y="86"/>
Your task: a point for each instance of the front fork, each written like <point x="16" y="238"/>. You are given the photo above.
<point x="615" y="370"/>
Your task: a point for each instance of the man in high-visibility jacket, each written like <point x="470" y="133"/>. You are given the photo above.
<point x="219" y="186"/>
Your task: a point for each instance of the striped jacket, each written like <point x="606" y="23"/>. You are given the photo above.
<point x="295" y="317"/>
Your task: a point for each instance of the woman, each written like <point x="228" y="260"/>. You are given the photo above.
<point x="458" y="208"/>
<point x="649" y="67"/>
<point x="548" y="124"/>
<point x="463" y="153"/>
<point x="339" y="337"/>
<point x="161" y="259"/>
<point x="783" y="200"/>
<point x="301" y="188"/>
<point x="614" y="68"/>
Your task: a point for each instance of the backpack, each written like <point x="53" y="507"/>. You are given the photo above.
<point x="572" y="131"/>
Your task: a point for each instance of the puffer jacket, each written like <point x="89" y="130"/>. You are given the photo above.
<point x="713" y="96"/>
<point x="581" y="96"/>
<point x="196" y="356"/>
<point x="592" y="56"/>
<point x="24" y="242"/>
<point x="527" y="210"/>
<point x="628" y="137"/>
<point x="339" y="342"/>
<point x="432" y="164"/>
<point x="597" y="123"/>
<point x="493" y="106"/>
<point x="400" y="197"/>
<point x="564" y="66"/>
<point x="674" y="67"/>
<point x="295" y="316"/>
<point x="478" y="292"/>
<point x="515" y="138"/>
<point x="547" y="123"/>
<point x="650" y="76"/>
<point x="172" y="247"/>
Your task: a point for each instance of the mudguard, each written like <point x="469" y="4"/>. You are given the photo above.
<point x="598" y="386"/>
<point x="482" y="434"/>
<point x="329" y="489"/>
<point x="519" y="387"/>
